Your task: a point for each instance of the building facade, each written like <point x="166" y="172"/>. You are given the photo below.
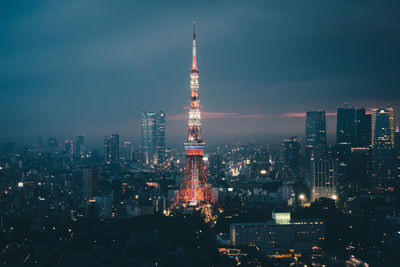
<point x="291" y="155"/>
<point x="279" y="235"/>
<point x="324" y="173"/>
<point x="111" y="148"/>
<point x="315" y="141"/>
<point x="382" y="139"/>
<point x="153" y="138"/>
<point x="89" y="183"/>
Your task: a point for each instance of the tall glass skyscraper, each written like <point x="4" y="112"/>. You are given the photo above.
<point x="382" y="138"/>
<point x="153" y="137"/>
<point x="315" y="141"/>
<point x="397" y="152"/>
<point x="291" y="155"/>
<point x="79" y="145"/>
<point x="111" y="148"/>
<point x="353" y="129"/>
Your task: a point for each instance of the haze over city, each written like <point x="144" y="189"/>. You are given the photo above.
<point x="199" y="133"/>
<point x="92" y="67"/>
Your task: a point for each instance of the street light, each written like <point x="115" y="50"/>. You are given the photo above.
<point x="302" y="197"/>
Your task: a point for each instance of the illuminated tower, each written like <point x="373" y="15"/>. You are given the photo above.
<point x="195" y="192"/>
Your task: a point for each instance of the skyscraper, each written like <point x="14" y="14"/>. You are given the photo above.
<point x="111" y="148"/>
<point x="128" y="151"/>
<point x="382" y="139"/>
<point x="153" y="137"/>
<point x="346" y="132"/>
<point x="69" y="147"/>
<point x="323" y="178"/>
<point x="52" y="144"/>
<point x="363" y="128"/>
<point x="315" y="141"/>
<point x="397" y="152"/>
<point x="79" y="146"/>
<point x="359" y="173"/>
<point x="291" y="155"/>
<point x="352" y="130"/>
<point x="89" y="182"/>
<point x="353" y="127"/>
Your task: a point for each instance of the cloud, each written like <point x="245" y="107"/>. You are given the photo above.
<point x="303" y="114"/>
<point x="217" y="115"/>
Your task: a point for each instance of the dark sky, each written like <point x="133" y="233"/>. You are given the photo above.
<point x="91" y="67"/>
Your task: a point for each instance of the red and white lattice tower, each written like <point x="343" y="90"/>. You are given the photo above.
<point x="195" y="192"/>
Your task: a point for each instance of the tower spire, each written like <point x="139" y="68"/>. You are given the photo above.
<point x="194" y="67"/>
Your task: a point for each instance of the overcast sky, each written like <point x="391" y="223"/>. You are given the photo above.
<point x="91" y="67"/>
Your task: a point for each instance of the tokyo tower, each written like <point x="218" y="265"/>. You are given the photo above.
<point x="195" y="192"/>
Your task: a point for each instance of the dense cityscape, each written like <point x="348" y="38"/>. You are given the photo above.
<point x="303" y="201"/>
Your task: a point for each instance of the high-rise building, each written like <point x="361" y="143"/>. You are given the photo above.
<point x="397" y="152"/>
<point x="353" y="127"/>
<point x="195" y="192"/>
<point x="323" y="178"/>
<point x="382" y="139"/>
<point x="363" y="128"/>
<point x="69" y="147"/>
<point x="89" y="182"/>
<point x="291" y="155"/>
<point x="52" y="144"/>
<point x="346" y="132"/>
<point x="215" y="166"/>
<point x="79" y="147"/>
<point x="128" y="151"/>
<point x="315" y="141"/>
<point x="352" y="130"/>
<point x="111" y="148"/>
<point x="359" y="173"/>
<point x="153" y="137"/>
<point x="40" y="143"/>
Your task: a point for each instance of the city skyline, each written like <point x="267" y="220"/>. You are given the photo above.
<point x="108" y="157"/>
<point x="266" y="67"/>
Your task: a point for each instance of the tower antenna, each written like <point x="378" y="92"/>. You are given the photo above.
<point x="194" y="30"/>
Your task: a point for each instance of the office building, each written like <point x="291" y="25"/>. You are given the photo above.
<point x="315" y="141"/>
<point x="89" y="183"/>
<point x="79" y="147"/>
<point x="111" y="148"/>
<point x="215" y="167"/>
<point x="359" y="173"/>
<point x="279" y="236"/>
<point x="153" y="138"/>
<point x="363" y="128"/>
<point x="352" y="130"/>
<point x="291" y="155"/>
<point x="323" y="178"/>
<point x="69" y="147"/>
<point x="127" y="151"/>
<point x="397" y="153"/>
<point x="382" y="139"/>
<point x="103" y="207"/>
<point x="52" y="144"/>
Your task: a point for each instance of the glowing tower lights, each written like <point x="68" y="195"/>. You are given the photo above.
<point x="195" y="192"/>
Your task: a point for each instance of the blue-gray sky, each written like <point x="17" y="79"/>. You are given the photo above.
<point x="90" y="67"/>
